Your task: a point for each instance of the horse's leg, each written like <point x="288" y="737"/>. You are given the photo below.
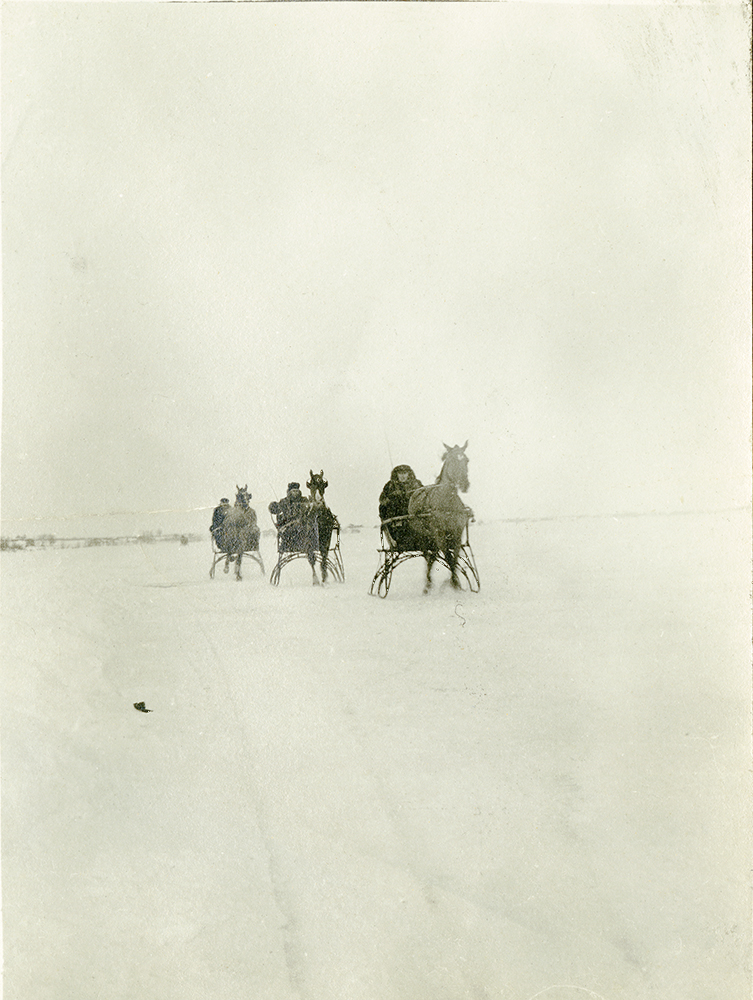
<point x="238" y="560"/>
<point x="452" y="562"/>
<point x="312" y="541"/>
<point x="312" y="563"/>
<point x="429" y="556"/>
<point x="450" y="557"/>
<point x="324" y="552"/>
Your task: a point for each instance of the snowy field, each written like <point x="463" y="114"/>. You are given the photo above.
<point x="535" y="791"/>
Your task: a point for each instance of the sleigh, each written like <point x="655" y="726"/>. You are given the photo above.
<point x="392" y="555"/>
<point x="219" y="556"/>
<point x="236" y="535"/>
<point x="300" y="539"/>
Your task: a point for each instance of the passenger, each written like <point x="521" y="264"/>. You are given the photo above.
<point x="218" y="516"/>
<point x="393" y="506"/>
<point x="289" y="513"/>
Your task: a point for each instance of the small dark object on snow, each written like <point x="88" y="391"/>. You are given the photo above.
<point x="141" y="706"/>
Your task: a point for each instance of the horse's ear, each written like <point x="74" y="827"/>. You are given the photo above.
<point x="322" y="473"/>
<point x="237" y="488"/>
<point x="446" y="447"/>
<point x="464" y="446"/>
<point x="311" y="473"/>
<point x="245" y="488"/>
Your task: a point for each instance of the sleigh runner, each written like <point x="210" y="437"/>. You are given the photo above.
<point x="330" y="564"/>
<point x="219" y="556"/>
<point x="391" y="556"/>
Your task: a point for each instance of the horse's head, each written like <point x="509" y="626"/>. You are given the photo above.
<point x="455" y="466"/>
<point x="242" y="496"/>
<point x="317" y="484"/>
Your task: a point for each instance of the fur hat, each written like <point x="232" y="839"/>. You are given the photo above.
<point x="400" y="470"/>
<point x="293" y="486"/>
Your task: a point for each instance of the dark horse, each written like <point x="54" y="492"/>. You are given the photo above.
<point x="310" y="534"/>
<point x="439" y="517"/>
<point x="238" y="533"/>
<point x="320" y="522"/>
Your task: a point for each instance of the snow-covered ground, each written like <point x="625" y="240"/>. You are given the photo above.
<point x="535" y="791"/>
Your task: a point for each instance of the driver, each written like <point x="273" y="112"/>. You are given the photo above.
<point x="393" y="506"/>
<point x="288" y="513"/>
<point x="291" y="507"/>
<point x="218" y="515"/>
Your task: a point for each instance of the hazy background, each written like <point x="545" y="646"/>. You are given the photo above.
<point x="240" y="241"/>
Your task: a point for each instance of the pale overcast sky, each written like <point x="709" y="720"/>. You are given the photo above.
<point x="243" y="240"/>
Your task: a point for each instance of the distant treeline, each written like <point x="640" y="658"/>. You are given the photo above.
<point x="144" y="538"/>
<point x="54" y="542"/>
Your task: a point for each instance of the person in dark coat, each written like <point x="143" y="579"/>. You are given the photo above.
<point x="393" y="506"/>
<point x="289" y="513"/>
<point x="218" y="516"/>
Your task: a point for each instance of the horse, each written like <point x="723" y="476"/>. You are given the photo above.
<point x="320" y="522"/>
<point x="308" y="533"/>
<point x="239" y="532"/>
<point x="438" y="516"/>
